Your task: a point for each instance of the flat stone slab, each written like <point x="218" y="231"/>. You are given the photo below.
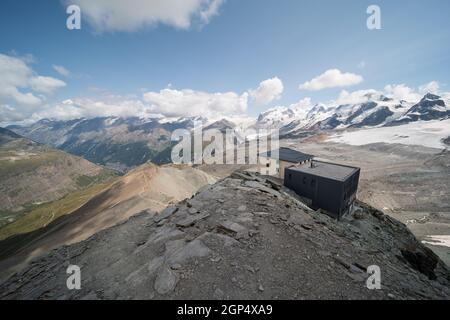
<point x="166" y="281"/>
<point x="166" y="213"/>
<point x="239" y="175"/>
<point x="233" y="228"/>
<point x="192" y="219"/>
<point x="180" y="252"/>
<point x="165" y="233"/>
<point x="263" y="188"/>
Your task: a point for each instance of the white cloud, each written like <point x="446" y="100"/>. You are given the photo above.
<point x="14" y="76"/>
<point x="119" y="15"/>
<point x="302" y="107"/>
<point x="402" y="92"/>
<point x="14" y="96"/>
<point x="46" y="85"/>
<point x="9" y="114"/>
<point x="355" y="97"/>
<point x="211" y="10"/>
<point x="268" y="91"/>
<point x="431" y="87"/>
<point x="186" y="103"/>
<point x="19" y="86"/>
<point x="167" y="102"/>
<point x="303" y="104"/>
<point x="61" y="70"/>
<point x="94" y="107"/>
<point x="332" y="78"/>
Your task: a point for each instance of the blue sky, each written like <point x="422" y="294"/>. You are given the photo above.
<point x="239" y="46"/>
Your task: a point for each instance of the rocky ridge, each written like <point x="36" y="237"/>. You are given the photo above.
<point x="245" y="237"/>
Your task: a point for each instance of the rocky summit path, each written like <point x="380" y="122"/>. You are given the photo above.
<point x="244" y="237"/>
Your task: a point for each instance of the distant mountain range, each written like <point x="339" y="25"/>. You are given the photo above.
<point x="124" y="143"/>
<point x="118" y="143"/>
<point x="378" y="110"/>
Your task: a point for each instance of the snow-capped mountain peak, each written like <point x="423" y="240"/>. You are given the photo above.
<point x="378" y="110"/>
